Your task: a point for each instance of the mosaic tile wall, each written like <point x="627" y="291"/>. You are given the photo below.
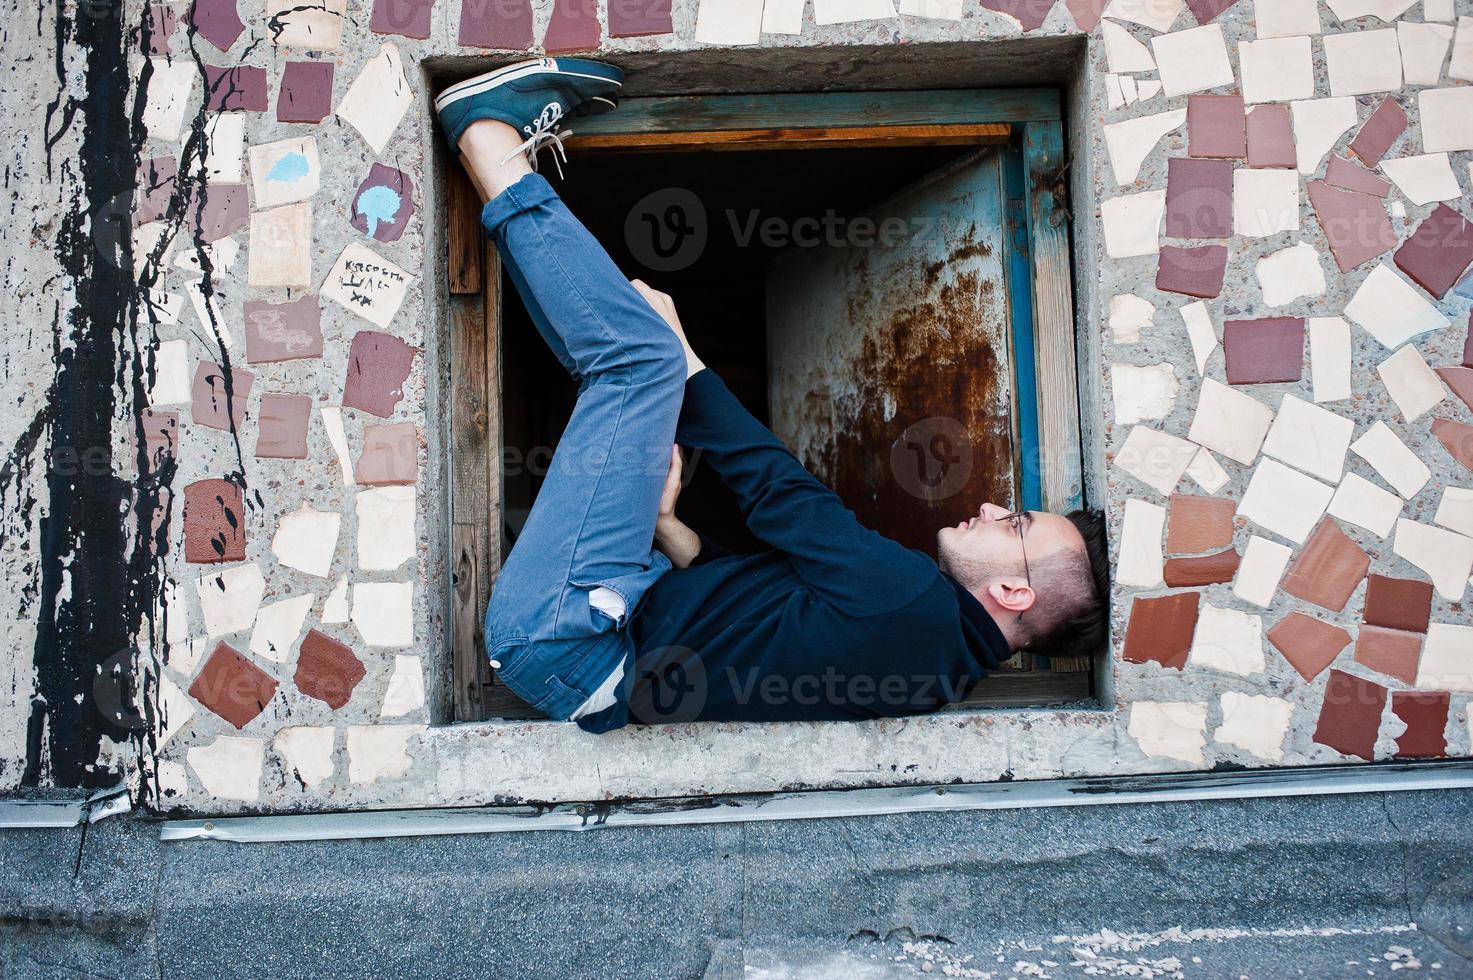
<point x="1283" y="293"/>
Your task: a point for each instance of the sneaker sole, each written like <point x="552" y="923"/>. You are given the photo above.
<point x="524" y="69"/>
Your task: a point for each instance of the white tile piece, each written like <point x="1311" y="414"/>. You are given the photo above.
<point x="827" y="12"/>
<point x="1391" y="309"/>
<point x="1129" y="315"/>
<point x="1398" y="210"/>
<point x="1424" y="178"/>
<point x="1284" y="501"/>
<point x="1276" y="70"/>
<point x="1290" y="274"/>
<point x="386" y="536"/>
<point x="1262" y="567"/>
<point x="1141" y="560"/>
<point x="1148" y="88"/>
<point x="1170" y="729"/>
<point x="307" y="752"/>
<point x="1255" y="723"/>
<point x="1424" y="48"/>
<point x="1265" y="202"/>
<point x="229" y="768"/>
<point x="1286" y="18"/>
<point x="209" y="311"/>
<point x="1447" y="118"/>
<point x="1228" y="640"/>
<point x="729" y="22"/>
<point x="221" y="253"/>
<point x="281" y="246"/>
<point x="1447" y="658"/>
<point x="1363" y="62"/>
<point x="1193" y="60"/>
<point x="174" y="709"/>
<point x="1413" y="385"/>
<point x="1329" y="358"/>
<point x="332" y="423"/>
<point x="1114" y="97"/>
<point x="406" y="690"/>
<point x="786" y="16"/>
<point x="1131" y="141"/>
<point x="1446" y="556"/>
<point x="1155" y="458"/>
<point x="278" y="625"/>
<point x="171" y="609"/>
<point x="1440" y="10"/>
<point x="379" y="751"/>
<point x="335" y="609"/>
<point x="1158" y="15"/>
<point x="1200" y="332"/>
<point x="172" y="379"/>
<point x="1318" y="126"/>
<point x="316" y="26"/>
<point x="366" y="284"/>
<point x="228" y="599"/>
<point x="1230" y="422"/>
<point x="1132" y="223"/>
<point x="1390" y="457"/>
<point x="383" y="612"/>
<point x="1455" y="510"/>
<point x="306" y="540"/>
<point x="1362" y="503"/>
<point x="148" y="239"/>
<point x="224" y="146"/>
<point x="169" y="90"/>
<point x="1461" y="66"/>
<point x="1384" y="10"/>
<point x="284" y="171"/>
<point x="1309" y="438"/>
<point x="1206" y="472"/>
<point x="1128" y="90"/>
<point x="380" y="95"/>
<point x="1142" y="393"/>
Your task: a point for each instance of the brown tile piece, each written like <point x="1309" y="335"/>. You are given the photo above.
<point x="241" y="88"/>
<point x="1199" y="198"/>
<point x="1355" y="224"/>
<point x="283" y="331"/>
<point x="214" y="522"/>
<point x="1271" y="137"/>
<point x="1202" y="570"/>
<point x="407" y="18"/>
<point x="1378" y="132"/>
<point x="390" y="455"/>
<point x="1456" y="438"/>
<point x="283" y="426"/>
<point x="386" y="184"/>
<point x="507" y="24"/>
<point x="327" y="670"/>
<point x="1086" y="13"/>
<point x="220" y="210"/>
<point x="1398" y="603"/>
<point x="217" y="21"/>
<point x="1436" y="254"/>
<point x="207" y="401"/>
<point x="1309" y="644"/>
<point x="305" y="95"/>
<point x="1195" y="271"/>
<point x="159" y="24"/>
<point x="1351" y="176"/>
<point x="1350" y="717"/>
<point x="1029" y="13"/>
<point x="1263" y="351"/>
<point x="1425" y="715"/>
<point x="1160" y="629"/>
<point x="1217" y="127"/>
<point x="157" y="178"/>
<point x="573" y="26"/>
<point x="640" y="20"/>
<point x="233" y="687"/>
<point x="378" y="363"/>
<point x="1207" y="10"/>
<point x="160" y="437"/>
<point x="1460" y="380"/>
<point x="1390" y="652"/>
<point x="1328" y="569"/>
<point x="1196" y="524"/>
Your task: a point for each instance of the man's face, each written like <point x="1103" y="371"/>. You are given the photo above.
<point x="995" y="548"/>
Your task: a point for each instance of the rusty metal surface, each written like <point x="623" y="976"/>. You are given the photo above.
<point x="890" y="373"/>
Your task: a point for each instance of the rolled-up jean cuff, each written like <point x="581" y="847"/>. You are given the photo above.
<point x="528" y="192"/>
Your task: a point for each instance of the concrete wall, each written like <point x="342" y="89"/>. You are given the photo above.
<point x="1234" y="699"/>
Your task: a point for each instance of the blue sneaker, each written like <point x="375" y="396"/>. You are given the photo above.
<point x="532" y="96"/>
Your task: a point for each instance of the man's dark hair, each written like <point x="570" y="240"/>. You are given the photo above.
<point x="1080" y="625"/>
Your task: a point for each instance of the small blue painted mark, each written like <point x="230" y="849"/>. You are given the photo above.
<point x="378" y="203"/>
<point x="293" y="166"/>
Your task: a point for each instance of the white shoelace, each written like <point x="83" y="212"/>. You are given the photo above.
<point x="542" y="132"/>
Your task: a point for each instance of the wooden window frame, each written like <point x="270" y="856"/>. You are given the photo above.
<point x="731" y="123"/>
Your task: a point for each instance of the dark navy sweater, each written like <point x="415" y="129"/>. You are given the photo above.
<point x="834" y="622"/>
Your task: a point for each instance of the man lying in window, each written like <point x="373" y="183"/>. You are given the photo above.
<point x="611" y="610"/>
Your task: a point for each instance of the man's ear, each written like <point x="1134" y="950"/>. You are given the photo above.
<point x="1017" y="598"/>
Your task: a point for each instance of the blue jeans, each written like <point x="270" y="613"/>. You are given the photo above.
<point x="591" y="529"/>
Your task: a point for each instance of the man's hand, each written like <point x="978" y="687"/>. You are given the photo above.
<point x="679" y="543"/>
<point x="665" y="306"/>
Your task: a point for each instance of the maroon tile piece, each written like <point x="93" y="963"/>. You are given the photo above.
<point x="1356" y="225"/>
<point x="1398" y="603"/>
<point x="1271" y="137"/>
<point x="1194" y="271"/>
<point x="1456" y="438"/>
<point x="327" y="670"/>
<point x="1263" y="351"/>
<point x="1460" y="380"/>
<point x="1202" y="570"/>
<point x="1030" y="13"/>
<point x="639" y="18"/>
<point x="305" y="95"/>
<point x="283" y="331"/>
<point x="390" y="455"/>
<point x="159" y="24"/>
<point x="1328" y="569"/>
<point x="241" y="88"/>
<point x="1216" y="127"/>
<point x="1425" y="715"/>
<point x="1198" y="524"/>
<point x="157" y="178"/>
<point x="496" y="24"/>
<point x="283" y="426"/>
<point x="1390" y="652"/>
<point x="1086" y="13"/>
<point x="1160" y="629"/>
<point x="1351" y="176"/>
<point x="216" y="21"/>
<point x="407" y="18"/>
<point x="160" y="437"/>
<point x="573" y="27"/>
<point x="1207" y="11"/>
<point x="1438" y="251"/>
<point x="1309" y="644"/>
<point x="219" y="210"/>
<point x="371" y="216"/>
<point x="1378" y="132"/>
<point x="232" y="687"/>
<point x="378" y="363"/>
<point x="208" y="394"/>
<point x="1350" y="717"/>
<point x="214" y="522"/>
<point x="1199" y="198"/>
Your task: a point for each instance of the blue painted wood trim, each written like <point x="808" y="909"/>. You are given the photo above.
<point x="1020" y="309"/>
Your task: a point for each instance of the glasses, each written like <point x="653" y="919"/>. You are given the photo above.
<point x="1016" y="520"/>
